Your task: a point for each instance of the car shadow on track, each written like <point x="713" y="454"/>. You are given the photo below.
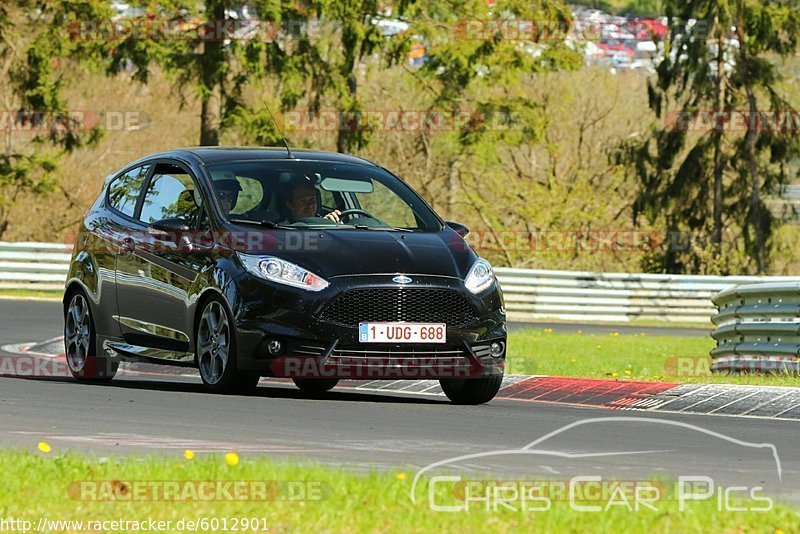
<point x="267" y="391"/>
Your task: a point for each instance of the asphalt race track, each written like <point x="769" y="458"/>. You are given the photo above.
<point x="150" y="411"/>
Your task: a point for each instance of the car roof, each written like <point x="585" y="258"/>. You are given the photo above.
<point x="211" y="155"/>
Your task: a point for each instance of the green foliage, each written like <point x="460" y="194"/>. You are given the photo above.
<point x="710" y="182"/>
<point x="35" y="47"/>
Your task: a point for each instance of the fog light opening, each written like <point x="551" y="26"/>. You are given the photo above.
<point x="497" y="348"/>
<point x="274" y="347"/>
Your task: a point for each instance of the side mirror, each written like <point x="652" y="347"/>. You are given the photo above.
<point x="458" y="228"/>
<point x="174" y="224"/>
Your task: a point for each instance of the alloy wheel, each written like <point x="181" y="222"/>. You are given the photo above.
<point x="213" y="342"/>
<point x="77" y="332"/>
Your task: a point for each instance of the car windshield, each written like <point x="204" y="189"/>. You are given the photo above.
<point x="311" y="194"/>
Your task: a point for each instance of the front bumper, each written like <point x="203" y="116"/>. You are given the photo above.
<point x="313" y="347"/>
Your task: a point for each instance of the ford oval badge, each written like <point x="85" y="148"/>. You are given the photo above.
<point x="401" y="280"/>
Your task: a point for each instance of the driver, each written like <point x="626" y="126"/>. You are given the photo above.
<point x="302" y="204"/>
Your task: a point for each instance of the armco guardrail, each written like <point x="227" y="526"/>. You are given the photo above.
<point x="529" y="294"/>
<point x="758" y="327"/>
<point x="568" y="295"/>
<point x="34" y="265"/>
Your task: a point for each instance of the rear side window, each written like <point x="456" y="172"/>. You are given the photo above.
<point x="124" y="190"/>
<point x="171" y="194"/>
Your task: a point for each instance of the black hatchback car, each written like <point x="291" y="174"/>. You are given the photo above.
<point x="251" y="262"/>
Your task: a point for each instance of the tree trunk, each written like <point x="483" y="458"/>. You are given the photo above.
<point x="211" y="65"/>
<point x="750" y="140"/>
<point x="343" y="138"/>
<point x="453" y="187"/>
<point x="719" y="165"/>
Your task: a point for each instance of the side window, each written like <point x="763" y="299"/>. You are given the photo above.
<point x="171" y="194"/>
<point x="124" y="190"/>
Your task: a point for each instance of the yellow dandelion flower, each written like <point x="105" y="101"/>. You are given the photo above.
<point x="401" y="476"/>
<point x="188" y="454"/>
<point x="44" y="447"/>
<point x="232" y="459"/>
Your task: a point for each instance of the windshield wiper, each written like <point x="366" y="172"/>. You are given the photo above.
<point x="268" y="224"/>
<point x="383" y="228"/>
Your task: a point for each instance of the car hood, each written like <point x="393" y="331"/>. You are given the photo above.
<point x="342" y="252"/>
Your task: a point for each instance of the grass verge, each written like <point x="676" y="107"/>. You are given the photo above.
<point x="631" y="357"/>
<point x="31" y="293"/>
<point x="37" y="486"/>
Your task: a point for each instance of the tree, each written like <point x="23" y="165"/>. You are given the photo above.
<point x="217" y="53"/>
<point x="721" y="145"/>
<point x="34" y="48"/>
<point x="479" y="67"/>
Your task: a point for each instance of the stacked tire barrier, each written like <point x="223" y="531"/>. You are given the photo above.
<point x="758" y="328"/>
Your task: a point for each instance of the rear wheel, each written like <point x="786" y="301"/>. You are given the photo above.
<point x="472" y="390"/>
<point x="217" y="360"/>
<point x="80" y="348"/>
<point x="315" y="386"/>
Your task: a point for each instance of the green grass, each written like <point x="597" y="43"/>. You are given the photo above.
<point x="36" y="485"/>
<point x="31" y="293"/>
<point x="633" y="357"/>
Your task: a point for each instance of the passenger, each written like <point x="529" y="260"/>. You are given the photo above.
<point x="228" y="192"/>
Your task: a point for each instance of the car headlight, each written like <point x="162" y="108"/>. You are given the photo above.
<point x="282" y="272"/>
<point x="480" y="276"/>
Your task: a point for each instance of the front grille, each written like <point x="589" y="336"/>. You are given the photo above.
<point x="409" y="305"/>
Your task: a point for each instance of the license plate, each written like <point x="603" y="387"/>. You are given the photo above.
<point x="402" y="332"/>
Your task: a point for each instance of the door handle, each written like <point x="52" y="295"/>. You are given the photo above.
<point x="128" y="244"/>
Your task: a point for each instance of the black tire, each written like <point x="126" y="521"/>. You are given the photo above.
<point x="315" y="386"/>
<point x="215" y="351"/>
<point x="80" y="343"/>
<point x="472" y="390"/>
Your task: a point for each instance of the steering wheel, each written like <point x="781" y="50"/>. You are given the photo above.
<point x="355" y="210"/>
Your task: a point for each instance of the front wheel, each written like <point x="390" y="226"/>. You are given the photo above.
<point x="80" y="349"/>
<point x="315" y="386"/>
<point x="472" y="390"/>
<point x="217" y="360"/>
